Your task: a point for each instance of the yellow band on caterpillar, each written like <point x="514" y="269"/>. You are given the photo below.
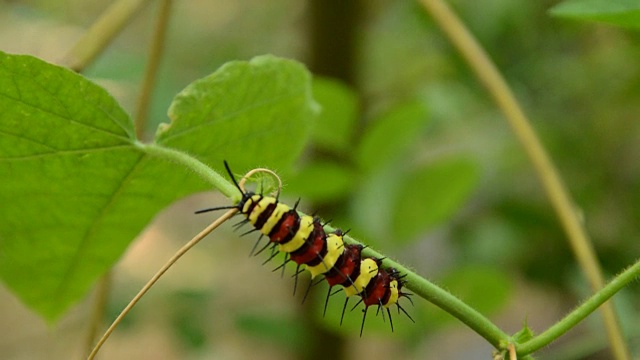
<point x="276" y="215"/>
<point x="368" y="269"/>
<point x="335" y="247"/>
<point x="393" y="286"/>
<point x="261" y="204"/>
<point x="306" y="226"/>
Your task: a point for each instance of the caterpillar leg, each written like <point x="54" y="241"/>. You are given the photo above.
<point x="295" y="283"/>
<point x="343" y="309"/>
<point x="255" y="246"/>
<point x="405" y="312"/>
<point x="364" y="317"/>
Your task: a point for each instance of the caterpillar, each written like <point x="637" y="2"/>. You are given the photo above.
<point x="304" y="241"/>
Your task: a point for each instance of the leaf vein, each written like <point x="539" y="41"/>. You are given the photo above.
<point x="62" y="117"/>
<point x="85" y="241"/>
<point x="228" y="116"/>
<point x="65" y="152"/>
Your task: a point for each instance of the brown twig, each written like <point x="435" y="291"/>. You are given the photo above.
<point x="151" y="72"/>
<point x="101" y="33"/>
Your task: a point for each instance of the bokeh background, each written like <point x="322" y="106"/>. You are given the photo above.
<point x="458" y="202"/>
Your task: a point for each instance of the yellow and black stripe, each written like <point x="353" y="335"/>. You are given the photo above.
<point x="303" y="239"/>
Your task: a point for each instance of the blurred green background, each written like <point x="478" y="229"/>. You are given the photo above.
<point x="409" y="153"/>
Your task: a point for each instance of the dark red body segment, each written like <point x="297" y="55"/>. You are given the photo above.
<point x="314" y="249"/>
<point x="286" y="227"/>
<point x="346" y="268"/>
<point x="377" y="291"/>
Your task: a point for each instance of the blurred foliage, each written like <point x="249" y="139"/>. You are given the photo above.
<point x="617" y="12"/>
<point x="578" y="81"/>
<point x="280" y="330"/>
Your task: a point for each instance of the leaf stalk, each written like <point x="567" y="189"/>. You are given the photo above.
<point x="205" y="172"/>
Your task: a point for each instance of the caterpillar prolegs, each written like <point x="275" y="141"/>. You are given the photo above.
<point x="304" y="241"/>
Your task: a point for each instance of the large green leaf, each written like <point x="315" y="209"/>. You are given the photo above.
<point x="77" y="187"/>
<point x="617" y="12"/>
<point x="67" y="155"/>
<point x="249" y="113"/>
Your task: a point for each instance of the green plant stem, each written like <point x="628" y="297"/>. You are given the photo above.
<point x="451" y="304"/>
<point x="151" y="72"/>
<point x="490" y="77"/>
<point x="206" y="173"/>
<point x="100" y="34"/>
<point x="424" y="288"/>
<point x="579" y="313"/>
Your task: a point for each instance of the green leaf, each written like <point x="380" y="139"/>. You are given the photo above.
<point x="432" y="194"/>
<point x="483" y="287"/>
<point x="524" y="334"/>
<point x="391" y="135"/>
<point x="624" y="13"/>
<point x="487" y="289"/>
<point x="248" y="113"/>
<point x="372" y="200"/>
<point x="336" y="123"/>
<point x="322" y="181"/>
<point x="77" y="187"/>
